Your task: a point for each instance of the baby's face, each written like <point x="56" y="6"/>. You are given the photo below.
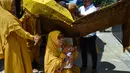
<point x="71" y="48"/>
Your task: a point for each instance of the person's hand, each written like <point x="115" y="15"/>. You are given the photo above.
<point x="36" y="39"/>
<point x="66" y="49"/>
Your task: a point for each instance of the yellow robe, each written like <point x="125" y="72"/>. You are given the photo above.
<point x="32" y="25"/>
<point x="12" y="44"/>
<point x="53" y="57"/>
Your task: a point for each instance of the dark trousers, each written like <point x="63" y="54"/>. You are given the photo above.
<point x="1" y="64"/>
<point x="88" y="43"/>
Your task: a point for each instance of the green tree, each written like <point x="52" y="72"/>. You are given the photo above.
<point x="101" y="3"/>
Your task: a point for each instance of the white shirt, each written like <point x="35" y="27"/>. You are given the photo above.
<point x="88" y="10"/>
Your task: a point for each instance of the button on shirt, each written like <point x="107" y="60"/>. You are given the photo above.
<point x="88" y="10"/>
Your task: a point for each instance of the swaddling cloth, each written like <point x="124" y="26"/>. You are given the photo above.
<point x="68" y="65"/>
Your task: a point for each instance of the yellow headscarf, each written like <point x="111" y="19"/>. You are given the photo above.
<point x="6" y="4"/>
<point x="52" y="43"/>
<point x="51" y="62"/>
<point x="8" y="23"/>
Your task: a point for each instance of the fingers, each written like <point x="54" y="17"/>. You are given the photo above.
<point x="36" y="39"/>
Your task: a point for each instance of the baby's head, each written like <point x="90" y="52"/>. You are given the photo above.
<point x="72" y="48"/>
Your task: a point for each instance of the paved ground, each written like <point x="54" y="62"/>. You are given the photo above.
<point x="111" y="58"/>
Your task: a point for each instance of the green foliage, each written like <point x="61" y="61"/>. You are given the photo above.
<point x="101" y="3"/>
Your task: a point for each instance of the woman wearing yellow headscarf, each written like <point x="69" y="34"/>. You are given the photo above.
<point x="12" y="41"/>
<point x="55" y="56"/>
<point x="31" y="23"/>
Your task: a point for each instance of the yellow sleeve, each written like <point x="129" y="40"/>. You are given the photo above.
<point x="14" y="25"/>
<point x="57" y="61"/>
<point x="62" y="56"/>
<point x="22" y="33"/>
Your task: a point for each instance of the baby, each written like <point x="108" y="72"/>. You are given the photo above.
<point x="68" y="61"/>
<point x="69" y="58"/>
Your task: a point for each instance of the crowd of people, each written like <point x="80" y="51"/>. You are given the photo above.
<point x="20" y="41"/>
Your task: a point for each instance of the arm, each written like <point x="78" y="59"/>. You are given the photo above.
<point x="57" y="62"/>
<point x="22" y="33"/>
<point x="14" y="25"/>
